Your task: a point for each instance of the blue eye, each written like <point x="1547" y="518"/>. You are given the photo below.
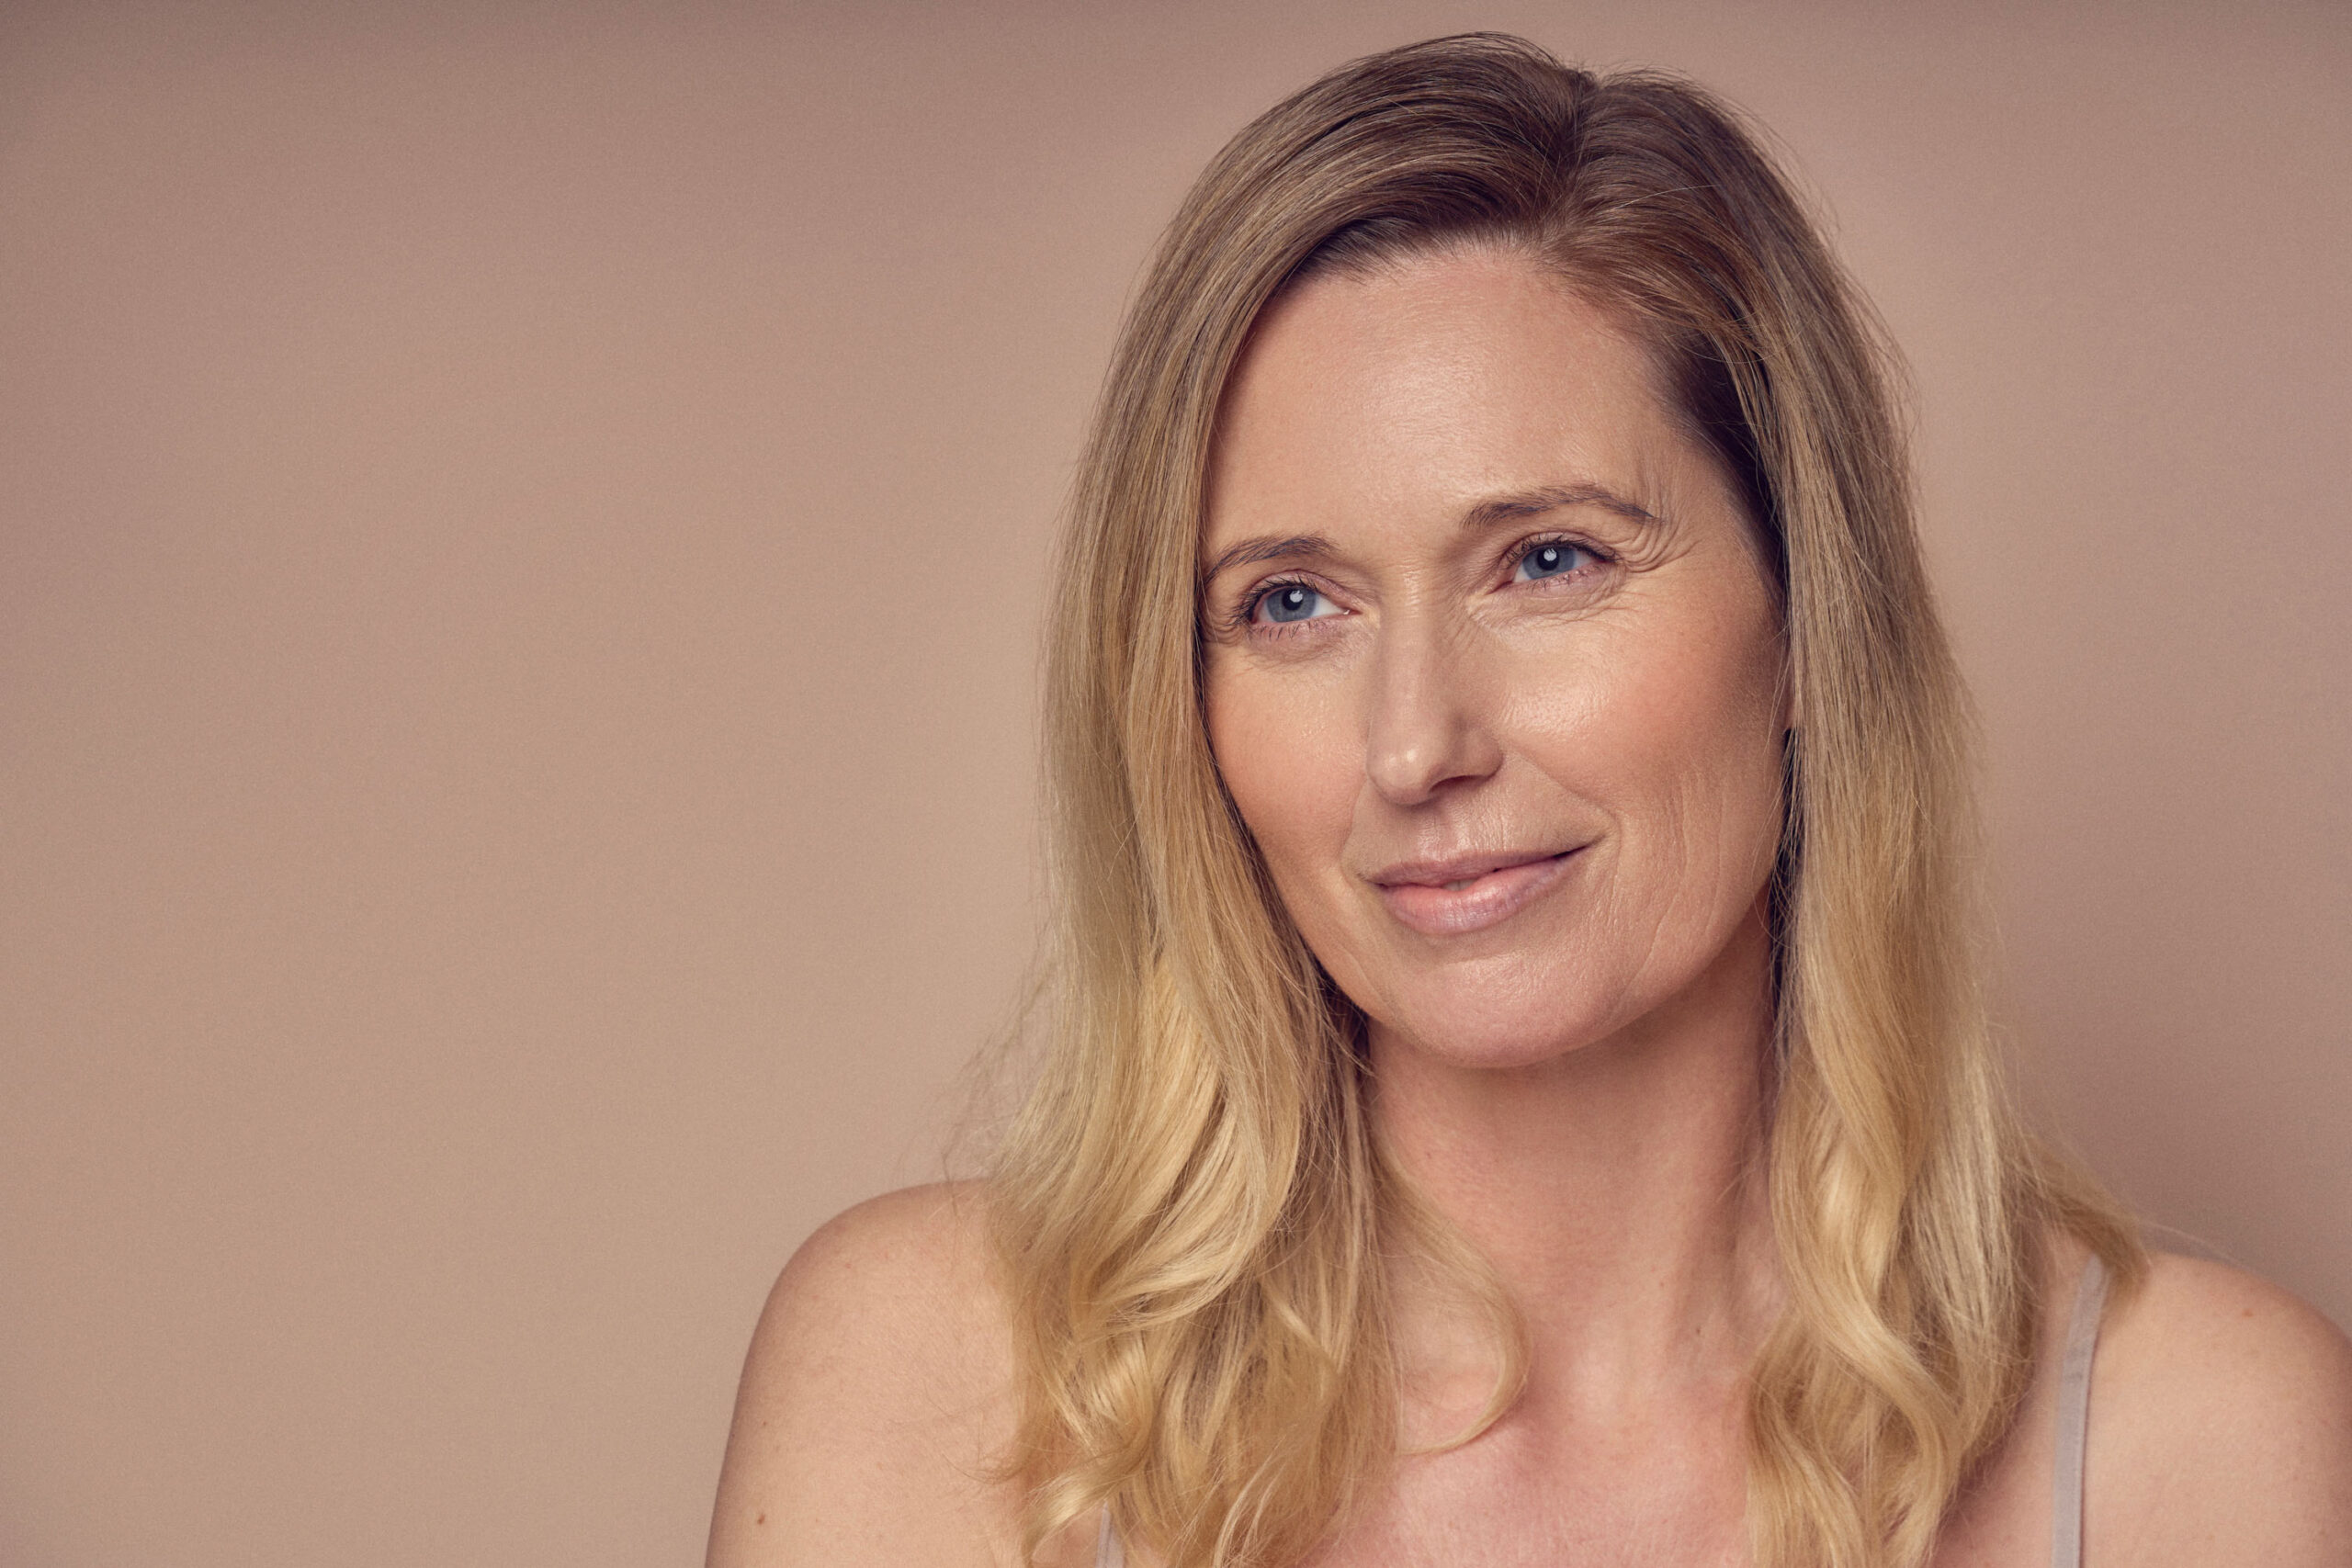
<point x="1551" y="561"/>
<point x="1287" y="602"/>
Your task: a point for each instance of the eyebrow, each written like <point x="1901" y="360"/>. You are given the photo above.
<point x="1548" y="498"/>
<point x="1485" y="514"/>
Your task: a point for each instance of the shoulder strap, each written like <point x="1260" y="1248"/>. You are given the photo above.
<point x="2073" y="1416"/>
<point x="1108" y="1553"/>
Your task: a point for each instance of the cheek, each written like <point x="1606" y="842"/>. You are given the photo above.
<point x="1678" y="742"/>
<point x="1292" y="757"/>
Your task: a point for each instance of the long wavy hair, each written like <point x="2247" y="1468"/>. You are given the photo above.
<point x="1197" y="1222"/>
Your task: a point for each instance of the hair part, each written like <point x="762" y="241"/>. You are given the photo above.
<point x="1198" y="1223"/>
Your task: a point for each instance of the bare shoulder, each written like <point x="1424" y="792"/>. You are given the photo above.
<point x="2220" y="1425"/>
<point x="875" y="1392"/>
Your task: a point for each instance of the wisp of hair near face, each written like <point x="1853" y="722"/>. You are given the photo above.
<point x="1196" y="1220"/>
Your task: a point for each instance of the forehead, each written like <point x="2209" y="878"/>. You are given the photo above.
<point x="1427" y="384"/>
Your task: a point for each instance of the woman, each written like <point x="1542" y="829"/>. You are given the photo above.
<point x="1517" y="1092"/>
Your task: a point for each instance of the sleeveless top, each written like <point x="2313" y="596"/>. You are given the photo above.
<point x="2074" y="1423"/>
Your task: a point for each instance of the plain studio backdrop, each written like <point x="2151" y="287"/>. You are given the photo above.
<point x="522" y="533"/>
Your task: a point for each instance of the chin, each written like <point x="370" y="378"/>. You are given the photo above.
<point x="1490" y="1022"/>
<point x="1517" y="1010"/>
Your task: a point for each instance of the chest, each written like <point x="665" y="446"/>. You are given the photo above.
<point x="1633" y="1499"/>
<point x="1522" y="1498"/>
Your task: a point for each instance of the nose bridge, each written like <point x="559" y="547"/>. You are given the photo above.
<point x="1427" y="726"/>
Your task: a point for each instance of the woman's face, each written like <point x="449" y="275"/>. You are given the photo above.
<point x="1493" y="667"/>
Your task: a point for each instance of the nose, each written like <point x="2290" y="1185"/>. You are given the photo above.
<point x="1429" y="724"/>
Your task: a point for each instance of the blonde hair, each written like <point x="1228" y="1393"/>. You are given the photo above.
<point x="1195" y="1219"/>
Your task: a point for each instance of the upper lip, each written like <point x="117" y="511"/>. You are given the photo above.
<point x="1456" y="868"/>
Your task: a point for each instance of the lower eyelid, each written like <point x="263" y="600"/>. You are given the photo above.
<point x="1582" y="574"/>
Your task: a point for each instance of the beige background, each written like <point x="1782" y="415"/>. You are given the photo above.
<point x="521" y="531"/>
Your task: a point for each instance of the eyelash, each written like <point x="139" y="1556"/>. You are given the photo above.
<point x="1244" y="619"/>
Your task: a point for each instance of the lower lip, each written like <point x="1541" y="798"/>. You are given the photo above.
<point x="1488" y="901"/>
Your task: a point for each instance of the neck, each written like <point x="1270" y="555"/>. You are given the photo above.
<point x="1617" y="1189"/>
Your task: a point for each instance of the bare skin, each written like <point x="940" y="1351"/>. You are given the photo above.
<point x="1482" y="615"/>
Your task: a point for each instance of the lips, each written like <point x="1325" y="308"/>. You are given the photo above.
<point x="1467" y="893"/>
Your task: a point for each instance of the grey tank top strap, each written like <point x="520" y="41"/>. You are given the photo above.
<point x="2073" y="1416"/>
<point x="2074" y="1424"/>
